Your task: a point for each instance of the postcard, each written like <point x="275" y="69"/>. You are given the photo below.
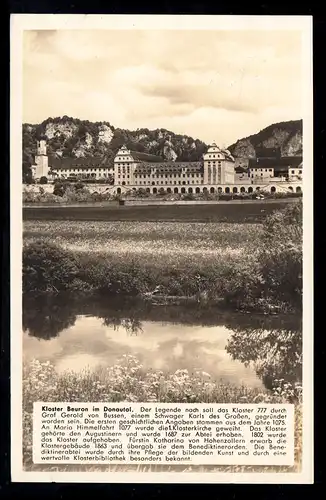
<point x="161" y="249"/>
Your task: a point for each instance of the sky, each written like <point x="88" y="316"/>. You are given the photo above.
<point x="212" y="85"/>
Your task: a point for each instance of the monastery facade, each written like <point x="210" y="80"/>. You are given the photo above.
<point x="215" y="173"/>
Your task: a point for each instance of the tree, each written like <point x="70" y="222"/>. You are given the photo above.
<point x="59" y="188"/>
<point x="280" y="256"/>
<point x="47" y="267"/>
<point x="43" y="180"/>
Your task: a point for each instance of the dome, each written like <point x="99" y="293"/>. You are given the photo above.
<point x="213" y="148"/>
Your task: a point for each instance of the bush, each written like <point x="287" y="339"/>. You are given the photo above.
<point x="43" y="180"/>
<point x="59" y="188"/>
<point x="271" y="276"/>
<point x="188" y="197"/>
<point x="225" y="196"/>
<point x="47" y="267"/>
<point x="141" y="193"/>
<point x="79" y="185"/>
<point x="281" y="254"/>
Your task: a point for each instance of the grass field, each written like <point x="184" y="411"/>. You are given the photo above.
<point x="148" y="239"/>
<point x="132" y="258"/>
<point x="254" y="211"/>
<point x="230" y="261"/>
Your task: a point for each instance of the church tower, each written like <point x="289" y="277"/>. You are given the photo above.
<point x="41" y="167"/>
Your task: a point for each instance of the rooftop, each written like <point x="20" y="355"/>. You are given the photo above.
<point x="82" y="163"/>
<point x="171" y="166"/>
<point x="277" y="163"/>
<point x="146" y="157"/>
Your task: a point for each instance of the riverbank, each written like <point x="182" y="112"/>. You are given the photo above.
<point x="226" y="280"/>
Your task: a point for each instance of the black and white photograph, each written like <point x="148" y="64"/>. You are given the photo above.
<point x="165" y="177"/>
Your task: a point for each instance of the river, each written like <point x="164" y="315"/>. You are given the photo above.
<point x="242" y="349"/>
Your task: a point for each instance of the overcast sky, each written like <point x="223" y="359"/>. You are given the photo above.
<point x="213" y="85"/>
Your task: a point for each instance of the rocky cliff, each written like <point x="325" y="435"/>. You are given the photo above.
<point x="72" y="137"/>
<point x="284" y="139"/>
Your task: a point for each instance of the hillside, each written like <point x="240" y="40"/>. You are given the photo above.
<point x="71" y="137"/>
<point x="283" y="139"/>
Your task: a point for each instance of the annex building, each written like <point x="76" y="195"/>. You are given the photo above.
<point x="215" y="173"/>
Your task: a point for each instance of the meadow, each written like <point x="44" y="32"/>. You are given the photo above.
<point x="134" y="258"/>
<point x="147" y="239"/>
<point x="245" y="265"/>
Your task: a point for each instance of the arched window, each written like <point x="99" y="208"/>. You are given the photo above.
<point x="168" y="190"/>
<point x="205" y="190"/>
<point x="119" y="191"/>
<point x="123" y="183"/>
<point x="197" y="190"/>
<point x="176" y="190"/>
<point x="291" y="189"/>
<point x="190" y="190"/>
<point x="154" y="190"/>
<point x="227" y="190"/>
<point x="148" y="190"/>
<point x="212" y="190"/>
<point x="235" y="190"/>
<point x="183" y="190"/>
<point x="250" y="190"/>
<point x="242" y="189"/>
<point x="153" y="183"/>
<point x="219" y="190"/>
<point x="298" y="189"/>
<point x="273" y="189"/>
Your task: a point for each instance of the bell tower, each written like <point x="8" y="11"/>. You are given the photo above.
<point x="41" y="166"/>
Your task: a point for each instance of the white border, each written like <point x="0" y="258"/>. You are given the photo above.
<point x="21" y="22"/>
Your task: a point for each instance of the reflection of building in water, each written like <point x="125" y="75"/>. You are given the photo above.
<point x="216" y="172"/>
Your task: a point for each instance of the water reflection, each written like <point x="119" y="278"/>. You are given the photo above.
<point x="275" y="353"/>
<point x="45" y="317"/>
<point x="270" y="345"/>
